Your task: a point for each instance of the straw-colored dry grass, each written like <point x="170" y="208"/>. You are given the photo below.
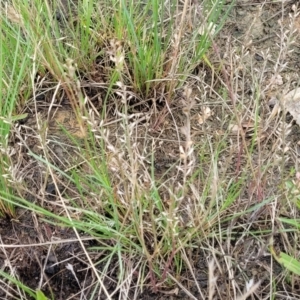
<point x="141" y="155"/>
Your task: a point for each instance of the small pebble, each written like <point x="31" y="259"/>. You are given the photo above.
<point x="258" y="57"/>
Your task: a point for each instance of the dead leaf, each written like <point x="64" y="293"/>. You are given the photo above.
<point x="291" y="102"/>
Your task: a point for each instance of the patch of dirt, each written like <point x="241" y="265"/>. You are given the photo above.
<point x="247" y="48"/>
<point x="56" y="268"/>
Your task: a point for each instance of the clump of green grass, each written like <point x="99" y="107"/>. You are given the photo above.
<point x="147" y="43"/>
<point x="14" y="89"/>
